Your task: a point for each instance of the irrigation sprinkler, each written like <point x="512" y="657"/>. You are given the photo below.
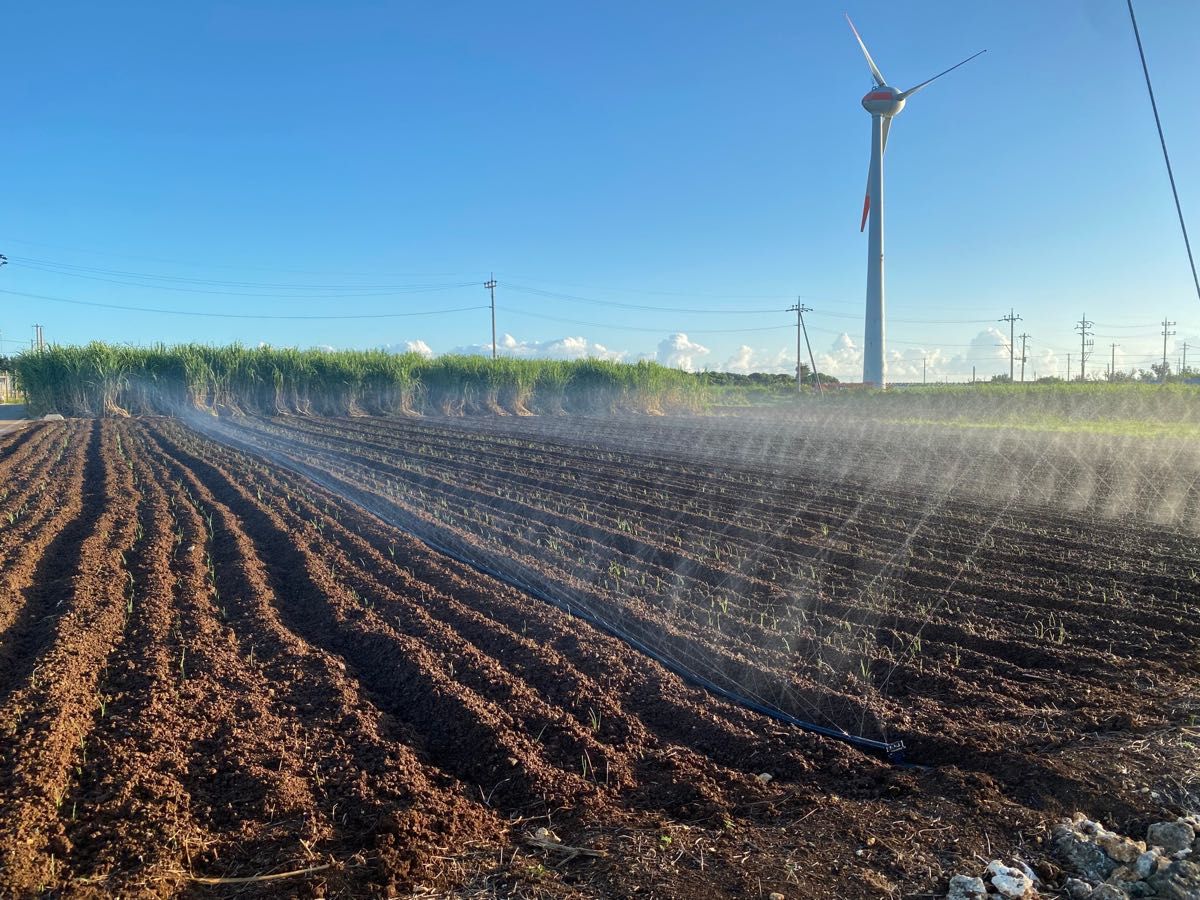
<point x="892" y="751"/>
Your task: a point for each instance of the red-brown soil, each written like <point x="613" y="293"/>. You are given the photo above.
<point x="222" y="659"/>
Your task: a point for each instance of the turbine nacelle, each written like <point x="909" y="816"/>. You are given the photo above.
<point x="884" y="101"/>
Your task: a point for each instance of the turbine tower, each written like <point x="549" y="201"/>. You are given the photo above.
<point x="883" y="102"/>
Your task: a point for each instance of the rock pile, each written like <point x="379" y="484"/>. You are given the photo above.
<point x="1105" y="865"/>
<point x="1110" y="866"/>
<point x="999" y="882"/>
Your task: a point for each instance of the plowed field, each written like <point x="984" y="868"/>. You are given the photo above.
<point x="224" y="657"/>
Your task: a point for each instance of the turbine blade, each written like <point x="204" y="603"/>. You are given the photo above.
<point x="906" y="94"/>
<point x="879" y="79"/>
<point x="862" y="226"/>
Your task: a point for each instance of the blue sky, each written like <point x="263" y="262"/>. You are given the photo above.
<point x="295" y="159"/>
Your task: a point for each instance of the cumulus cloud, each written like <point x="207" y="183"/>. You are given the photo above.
<point x="572" y="347"/>
<point x="417" y="346"/>
<point x="989" y="350"/>
<point x="843" y="360"/>
<point x="986" y="354"/>
<point x="1042" y="362"/>
<point x="678" y="352"/>
<point x="747" y="360"/>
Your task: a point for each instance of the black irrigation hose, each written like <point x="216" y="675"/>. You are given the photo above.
<point x="892" y="751"/>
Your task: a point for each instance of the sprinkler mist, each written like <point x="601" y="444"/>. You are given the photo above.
<point x="883" y="102"/>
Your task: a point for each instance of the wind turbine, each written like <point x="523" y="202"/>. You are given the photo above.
<point x="883" y="102"/>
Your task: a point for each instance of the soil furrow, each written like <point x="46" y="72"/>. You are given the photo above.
<point x="52" y="683"/>
<point x="357" y="760"/>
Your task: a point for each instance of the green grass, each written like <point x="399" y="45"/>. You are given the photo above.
<point x="1100" y="407"/>
<point x="1062" y="424"/>
<point x="105" y="379"/>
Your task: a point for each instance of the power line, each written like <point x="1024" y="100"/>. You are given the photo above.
<point x="212" y="264"/>
<point x="555" y="295"/>
<point x="219" y="287"/>
<point x="1166" y="156"/>
<point x="648" y="292"/>
<point x="213" y="315"/>
<point x="1115" y="327"/>
<point x="182" y="285"/>
<point x="558" y="295"/>
<point x="833" y="315"/>
<point x="522" y="312"/>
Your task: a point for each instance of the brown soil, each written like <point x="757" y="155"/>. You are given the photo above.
<point x="222" y="664"/>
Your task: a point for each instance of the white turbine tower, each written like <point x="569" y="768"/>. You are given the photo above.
<point x="882" y="102"/>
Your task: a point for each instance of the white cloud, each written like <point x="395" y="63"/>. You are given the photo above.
<point x="1042" y="362"/>
<point x="417" y="346"/>
<point x="747" y="360"/>
<point x="987" y="353"/>
<point x="572" y="347"/>
<point x="678" y="352"/>
<point x="843" y="360"/>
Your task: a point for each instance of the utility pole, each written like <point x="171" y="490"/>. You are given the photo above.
<point x="490" y="284"/>
<point x="1024" y="358"/>
<point x="1011" y="319"/>
<point x="1112" y="369"/>
<point x="800" y="309"/>
<point x="39" y="343"/>
<point x="1068" y="367"/>
<point x="799" y="332"/>
<point x="924" y="361"/>
<point x="1183" y="366"/>
<point x="1166" y="333"/>
<point x="1085" y="346"/>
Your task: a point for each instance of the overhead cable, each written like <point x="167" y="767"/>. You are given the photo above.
<point x="1163" y="141"/>
<point x="523" y="312"/>
<point x="215" y="315"/>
